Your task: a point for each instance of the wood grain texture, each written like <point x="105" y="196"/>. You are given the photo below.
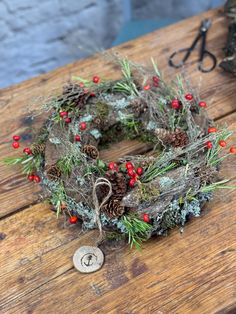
<point x="193" y="272"/>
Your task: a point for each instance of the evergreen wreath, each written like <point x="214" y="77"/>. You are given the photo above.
<point x="135" y="196"/>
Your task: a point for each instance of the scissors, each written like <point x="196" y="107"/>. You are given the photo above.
<point x="205" y="25"/>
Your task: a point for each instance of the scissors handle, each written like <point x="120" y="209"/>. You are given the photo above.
<point x="181" y="63"/>
<point x="213" y="59"/>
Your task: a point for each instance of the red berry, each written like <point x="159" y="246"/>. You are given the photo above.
<point x="82" y="126"/>
<point x="16" y="137"/>
<point x="233" y="150"/>
<point x="113" y="166"/>
<point x="146" y="218"/>
<point x="188" y="96"/>
<point x="77" y="138"/>
<point x="30" y="177"/>
<point x="86" y="90"/>
<point x="27" y="151"/>
<point x="63" y="114"/>
<point x="131" y="172"/>
<point x="155" y="79"/>
<point x="139" y="171"/>
<point x="36" y="179"/>
<point x="92" y="94"/>
<point x="202" y="104"/>
<point x="146" y="87"/>
<point x="96" y="79"/>
<point x="212" y="130"/>
<point x="67" y="120"/>
<point x="175" y="104"/>
<point x="209" y="144"/>
<point x="222" y="143"/>
<point x="73" y="219"/>
<point x="129" y="165"/>
<point x="81" y="84"/>
<point x="15" y="144"/>
<point x="132" y="182"/>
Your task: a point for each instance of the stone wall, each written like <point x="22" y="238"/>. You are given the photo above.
<point x="39" y="35"/>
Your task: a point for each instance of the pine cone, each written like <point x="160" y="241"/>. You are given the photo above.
<point x="113" y="208"/>
<point x="91" y="151"/>
<point x="73" y="94"/>
<point x="38" y="148"/>
<point x="178" y="138"/>
<point x="53" y="172"/>
<point x="118" y="183"/>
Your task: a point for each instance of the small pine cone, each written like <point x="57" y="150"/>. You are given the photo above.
<point x="178" y="138"/>
<point x="118" y="183"/>
<point x="53" y="172"/>
<point x="38" y="148"/>
<point x="91" y="151"/>
<point x="113" y="208"/>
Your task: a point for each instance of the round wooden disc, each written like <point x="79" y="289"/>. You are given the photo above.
<point x="88" y="259"/>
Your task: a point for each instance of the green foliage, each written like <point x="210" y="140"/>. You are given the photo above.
<point x="216" y="185"/>
<point x="153" y="171"/>
<point x="136" y="229"/>
<point x="126" y="86"/>
<point x="30" y="164"/>
<point x="58" y="197"/>
<point x="67" y="163"/>
<point x="213" y="154"/>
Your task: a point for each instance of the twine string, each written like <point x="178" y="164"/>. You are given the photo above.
<point x="97" y="206"/>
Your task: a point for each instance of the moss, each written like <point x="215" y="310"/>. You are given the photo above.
<point x="148" y="192"/>
<point x="102" y="110"/>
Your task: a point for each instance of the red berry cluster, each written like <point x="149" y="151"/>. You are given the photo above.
<point x="155" y="83"/>
<point x="34" y="178"/>
<point x="16" y="139"/>
<point x="175" y="104"/>
<point x="113" y="166"/>
<point x="221" y="143"/>
<point x="64" y="116"/>
<point x="132" y="173"/>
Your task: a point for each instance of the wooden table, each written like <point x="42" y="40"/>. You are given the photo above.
<point x="193" y="272"/>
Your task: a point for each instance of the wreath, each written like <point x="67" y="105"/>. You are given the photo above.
<point x="139" y="195"/>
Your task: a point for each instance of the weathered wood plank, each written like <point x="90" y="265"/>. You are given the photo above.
<point x="14" y="100"/>
<point x="185" y="267"/>
<point x="181" y="273"/>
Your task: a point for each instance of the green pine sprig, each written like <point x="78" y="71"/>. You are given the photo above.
<point x="216" y="186"/>
<point x="30" y="164"/>
<point x="153" y="171"/>
<point x="136" y="229"/>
